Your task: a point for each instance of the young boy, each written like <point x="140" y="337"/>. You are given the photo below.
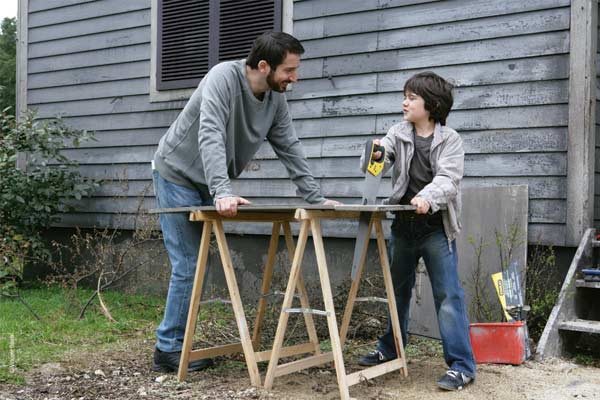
<point x="427" y="160"/>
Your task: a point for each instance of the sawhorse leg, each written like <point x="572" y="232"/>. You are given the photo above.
<point x="337" y="339"/>
<point x="247" y="344"/>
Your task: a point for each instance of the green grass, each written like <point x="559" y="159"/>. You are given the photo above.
<point x="60" y="330"/>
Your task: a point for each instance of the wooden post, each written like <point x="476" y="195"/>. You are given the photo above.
<point x="582" y="119"/>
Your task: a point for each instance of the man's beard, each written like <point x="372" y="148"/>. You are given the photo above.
<point x="274" y="85"/>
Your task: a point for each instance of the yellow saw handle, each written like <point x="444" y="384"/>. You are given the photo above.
<point x="374" y="167"/>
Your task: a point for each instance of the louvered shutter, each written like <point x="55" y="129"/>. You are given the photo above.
<point x="241" y="21"/>
<point x="193" y="35"/>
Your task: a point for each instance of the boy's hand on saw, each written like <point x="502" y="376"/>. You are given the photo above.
<point x="377" y="154"/>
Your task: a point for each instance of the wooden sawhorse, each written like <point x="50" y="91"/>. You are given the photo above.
<point x="280" y="218"/>
<point x="311" y="221"/>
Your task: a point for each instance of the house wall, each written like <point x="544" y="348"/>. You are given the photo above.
<point x="89" y="61"/>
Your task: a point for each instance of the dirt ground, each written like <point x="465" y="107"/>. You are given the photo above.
<point x="124" y="373"/>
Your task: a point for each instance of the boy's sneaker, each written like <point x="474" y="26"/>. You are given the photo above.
<point x="454" y="380"/>
<point x="374" y="357"/>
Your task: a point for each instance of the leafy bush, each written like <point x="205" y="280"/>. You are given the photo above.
<point x="31" y="197"/>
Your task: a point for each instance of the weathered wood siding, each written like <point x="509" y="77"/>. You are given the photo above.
<point x="89" y="61"/>
<point x="597" y="169"/>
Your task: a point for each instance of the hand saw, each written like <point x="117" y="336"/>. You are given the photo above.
<point x="373" y="173"/>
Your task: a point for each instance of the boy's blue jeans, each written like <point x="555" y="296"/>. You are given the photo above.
<point x="409" y="242"/>
<point x="182" y="240"/>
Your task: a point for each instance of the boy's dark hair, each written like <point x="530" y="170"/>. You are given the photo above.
<point x="435" y="91"/>
<point x="273" y="48"/>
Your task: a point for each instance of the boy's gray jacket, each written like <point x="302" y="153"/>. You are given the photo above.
<point x="447" y="159"/>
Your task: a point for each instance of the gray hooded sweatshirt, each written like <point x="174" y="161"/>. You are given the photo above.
<point x="447" y="159"/>
<point x="220" y="130"/>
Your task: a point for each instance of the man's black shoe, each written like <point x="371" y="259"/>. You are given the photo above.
<point x="454" y="380"/>
<point x="374" y="357"/>
<point x="169" y="362"/>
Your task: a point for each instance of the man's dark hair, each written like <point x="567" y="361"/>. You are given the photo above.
<point x="273" y="47"/>
<point x="435" y="91"/>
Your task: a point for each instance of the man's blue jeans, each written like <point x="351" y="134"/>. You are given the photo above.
<point x="182" y="240"/>
<point x="409" y="242"/>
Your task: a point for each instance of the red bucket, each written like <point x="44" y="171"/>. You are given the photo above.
<point x="499" y="342"/>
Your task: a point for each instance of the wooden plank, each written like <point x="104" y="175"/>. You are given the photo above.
<point x="494" y="118"/>
<point x="96" y="41"/>
<point x="85" y="10"/>
<point x="480" y="97"/>
<point x="391" y="297"/>
<point x="485" y="73"/>
<point x="87" y="27"/>
<point x="304" y="363"/>
<point x="287" y="302"/>
<point x="236" y="301"/>
<point x="582" y="119"/>
<point x="539" y="187"/>
<point x="580" y="325"/>
<point x="546" y="234"/>
<point x="304" y="297"/>
<point x="334" y="335"/>
<point x="266" y="287"/>
<point x="134" y="86"/>
<point x="286" y="351"/>
<point x="108" y="105"/>
<point x="446" y="54"/>
<point x="216" y="351"/>
<point x="320" y="8"/>
<point x="151" y="119"/>
<point x="268" y="215"/>
<point x="449" y="32"/>
<point x="138" y="69"/>
<point x="41" y="5"/>
<point x="373" y="372"/>
<point x="528" y="164"/>
<point x="192" y="317"/>
<point x="415" y="15"/>
<point x="547" y="211"/>
<point x="585" y="284"/>
<point x="96" y="58"/>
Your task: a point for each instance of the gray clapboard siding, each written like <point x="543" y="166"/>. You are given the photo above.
<point x="508" y="95"/>
<point x="84" y="10"/>
<point x="105" y="106"/>
<point x="128" y="87"/>
<point x="542" y="188"/>
<point x="69" y="62"/>
<point x="41" y="5"/>
<point x="124" y="138"/>
<point x="311" y="9"/>
<point x="452" y="32"/>
<point x="484" y="142"/>
<point x="487" y="73"/>
<point x="80" y="28"/>
<point x="96" y="41"/>
<point x="104" y="73"/>
<point x="422" y="14"/>
<point x="446" y="54"/>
